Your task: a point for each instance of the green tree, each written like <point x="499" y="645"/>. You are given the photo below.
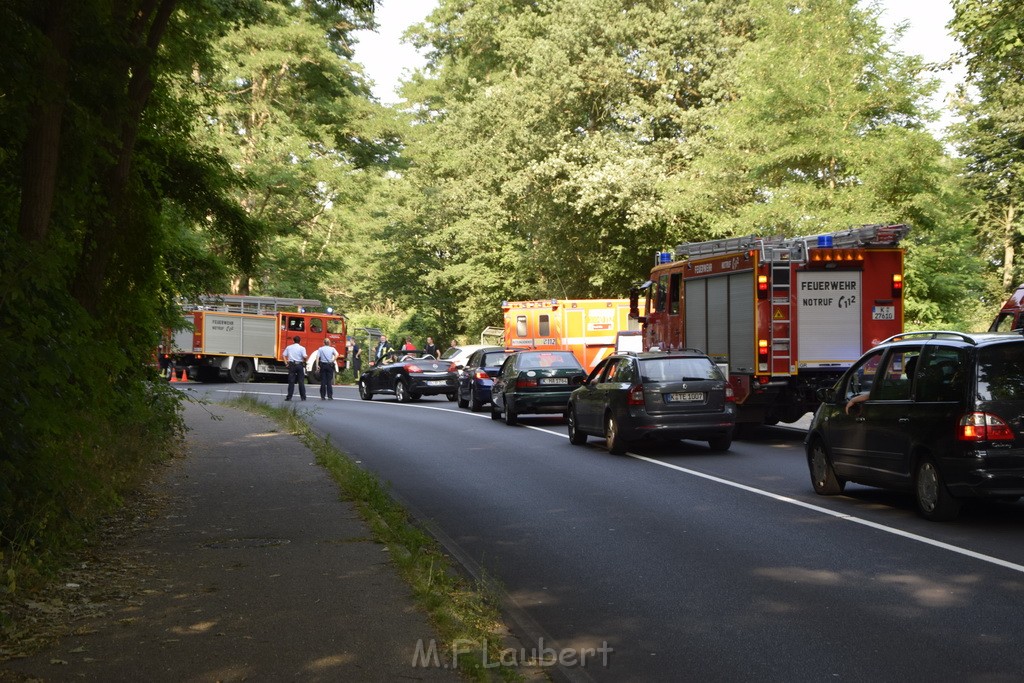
<point x="292" y="113"/>
<point x="825" y="131"/>
<point x="991" y="137"/>
<point x="104" y="182"/>
<point x="544" y="140"/>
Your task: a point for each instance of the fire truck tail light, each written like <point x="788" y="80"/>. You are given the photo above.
<point x="984" y="427"/>
<point x="897" y="285"/>
<point x="762" y="286"/>
<point x="764" y="379"/>
<point x="762" y="347"/>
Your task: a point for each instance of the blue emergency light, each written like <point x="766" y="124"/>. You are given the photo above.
<point x="664" y="257"/>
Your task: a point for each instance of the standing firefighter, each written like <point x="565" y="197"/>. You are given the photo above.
<point x="295" y="356"/>
<point x="327" y="357"/>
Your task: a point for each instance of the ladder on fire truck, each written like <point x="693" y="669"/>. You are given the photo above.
<point x="770" y="247"/>
<point x="780" y="253"/>
<point x="236" y="303"/>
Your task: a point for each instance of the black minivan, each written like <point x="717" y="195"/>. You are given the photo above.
<point x="939" y="413"/>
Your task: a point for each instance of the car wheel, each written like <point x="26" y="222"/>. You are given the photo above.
<point x="463" y="403"/>
<point x="452" y="396"/>
<point x="823" y="476"/>
<point x="720" y="444"/>
<point x="474" y="402"/>
<point x="511" y="418"/>
<point x="616" y="446"/>
<point x="576" y="437"/>
<point x="364" y="391"/>
<point x="402" y="392"/>
<point x="241" y="371"/>
<point x="934" y="501"/>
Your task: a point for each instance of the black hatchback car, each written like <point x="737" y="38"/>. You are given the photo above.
<point x="940" y="414"/>
<point x="534" y="382"/>
<point x="671" y="395"/>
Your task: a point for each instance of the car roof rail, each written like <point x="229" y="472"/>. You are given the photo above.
<point x="933" y="334"/>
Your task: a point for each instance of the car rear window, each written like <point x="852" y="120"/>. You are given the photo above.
<point x="676" y="369"/>
<point x="552" y="359"/>
<point x="1001" y="372"/>
<point x="494" y="358"/>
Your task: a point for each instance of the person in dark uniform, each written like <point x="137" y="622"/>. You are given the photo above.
<point x="295" y="356"/>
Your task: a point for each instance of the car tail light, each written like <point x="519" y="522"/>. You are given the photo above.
<point x="452" y="367"/>
<point x="730" y="395"/>
<point x="635" y="397"/>
<point x="481" y="374"/>
<point x="984" y="427"/>
<point x="409" y="367"/>
<point x="525" y="383"/>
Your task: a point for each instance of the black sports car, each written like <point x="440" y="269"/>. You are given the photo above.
<point x="409" y="377"/>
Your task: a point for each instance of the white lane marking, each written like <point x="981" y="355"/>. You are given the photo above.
<point x="839" y="515"/>
<point x="750" y="489"/>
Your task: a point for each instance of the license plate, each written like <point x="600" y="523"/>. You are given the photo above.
<point x="554" y="380"/>
<point x="883" y="312"/>
<point x="688" y="397"/>
<point x="436" y="383"/>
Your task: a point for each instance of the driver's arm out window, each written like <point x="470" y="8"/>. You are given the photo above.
<point x="863" y="377"/>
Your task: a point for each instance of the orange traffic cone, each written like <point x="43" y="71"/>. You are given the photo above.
<point x="184" y="375"/>
<point x="174" y="375"/>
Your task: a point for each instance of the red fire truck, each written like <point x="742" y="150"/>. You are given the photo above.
<point x="241" y="337"/>
<point x="782" y="316"/>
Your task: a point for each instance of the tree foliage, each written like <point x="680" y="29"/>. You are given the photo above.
<point x="991" y="137"/>
<point x="576" y="138"/>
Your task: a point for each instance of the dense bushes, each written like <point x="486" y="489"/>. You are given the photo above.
<point x="84" y="413"/>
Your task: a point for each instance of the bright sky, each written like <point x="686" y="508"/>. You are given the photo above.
<point x="386" y="59"/>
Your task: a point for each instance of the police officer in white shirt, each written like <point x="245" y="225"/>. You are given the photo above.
<point x="295" y="356"/>
<point x="327" y="357"/>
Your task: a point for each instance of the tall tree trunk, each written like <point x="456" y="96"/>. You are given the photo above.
<point x="1009" y="230"/>
<point x="41" y="152"/>
<point x="103" y="237"/>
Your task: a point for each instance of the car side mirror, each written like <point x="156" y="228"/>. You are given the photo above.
<point x="826" y="395"/>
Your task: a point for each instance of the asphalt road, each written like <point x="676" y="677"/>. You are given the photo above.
<point x="673" y="563"/>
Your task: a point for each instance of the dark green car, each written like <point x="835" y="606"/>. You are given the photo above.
<point x="535" y="382"/>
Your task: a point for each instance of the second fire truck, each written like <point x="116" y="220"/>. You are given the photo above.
<point x="240" y="337"/>
<point x="782" y="316"/>
<point x="588" y="327"/>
